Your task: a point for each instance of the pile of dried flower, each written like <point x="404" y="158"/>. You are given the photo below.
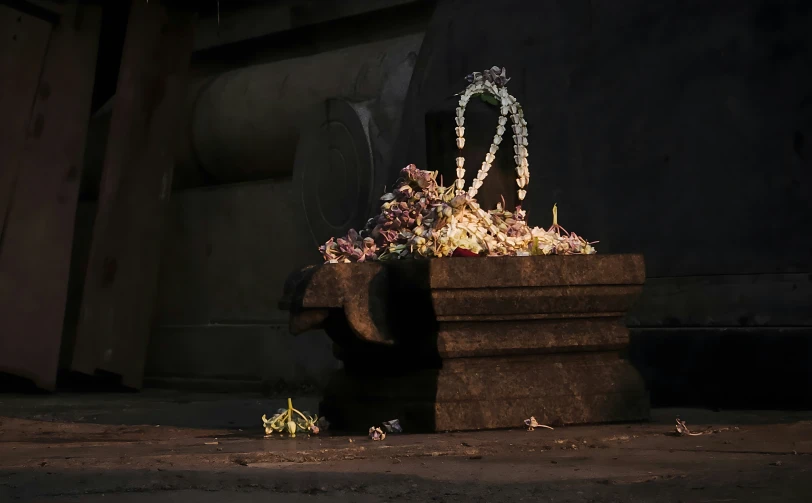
<point x="423" y="219"/>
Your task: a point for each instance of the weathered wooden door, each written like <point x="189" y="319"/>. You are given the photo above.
<point x="47" y="67"/>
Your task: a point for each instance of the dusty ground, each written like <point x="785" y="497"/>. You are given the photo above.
<point x="162" y="447"/>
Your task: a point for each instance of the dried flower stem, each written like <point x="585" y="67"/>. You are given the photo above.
<point x="285" y="421"/>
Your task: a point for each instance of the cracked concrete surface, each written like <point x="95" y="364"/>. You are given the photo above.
<point x="163" y="446"/>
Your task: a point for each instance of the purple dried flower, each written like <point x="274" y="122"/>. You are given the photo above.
<point x="376" y="434"/>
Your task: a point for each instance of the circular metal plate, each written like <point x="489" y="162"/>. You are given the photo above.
<point x="333" y="170"/>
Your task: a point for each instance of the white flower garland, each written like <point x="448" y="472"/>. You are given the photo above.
<point x="494" y="82"/>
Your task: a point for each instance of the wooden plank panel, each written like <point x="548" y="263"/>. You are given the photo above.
<point x="121" y="281"/>
<point x="35" y="246"/>
<point x="23" y="41"/>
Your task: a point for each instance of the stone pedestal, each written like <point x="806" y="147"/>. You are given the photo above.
<point x="476" y="343"/>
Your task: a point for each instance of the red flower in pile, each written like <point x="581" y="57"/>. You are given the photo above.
<point x="462" y="252"/>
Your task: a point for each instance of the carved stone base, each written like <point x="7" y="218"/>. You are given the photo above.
<point x="490" y="393"/>
<point x="476" y="343"/>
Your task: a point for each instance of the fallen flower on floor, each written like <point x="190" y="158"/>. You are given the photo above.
<point x="532" y="424"/>
<point x="322" y="424"/>
<point x="393" y="426"/>
<point x="290" y="421"/>
<point x="376" y="433"/>
<point x="291" y="426"/>
<point x="682" y="429"/>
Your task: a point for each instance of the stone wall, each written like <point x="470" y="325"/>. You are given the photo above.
<point x="227" y="253"/>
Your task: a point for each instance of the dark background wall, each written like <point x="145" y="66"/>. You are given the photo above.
<point x="676" y="129"/>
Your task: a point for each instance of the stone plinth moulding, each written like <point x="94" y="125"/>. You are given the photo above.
<point x="475" y="343"/>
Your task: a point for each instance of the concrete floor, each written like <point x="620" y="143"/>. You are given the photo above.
<point x="161" y="446"/>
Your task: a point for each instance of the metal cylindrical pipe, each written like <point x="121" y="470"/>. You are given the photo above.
<point x="245" y="123"/>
